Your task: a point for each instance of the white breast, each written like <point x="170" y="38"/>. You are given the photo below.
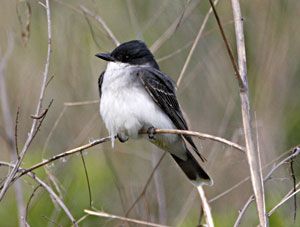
<point x="125" y="106"/>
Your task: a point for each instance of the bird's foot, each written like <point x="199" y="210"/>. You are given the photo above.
<point x="151" y="132"/>
<point x="122" y="138"/>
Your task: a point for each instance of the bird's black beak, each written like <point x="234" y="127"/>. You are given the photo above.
<point x="105" y="56"/>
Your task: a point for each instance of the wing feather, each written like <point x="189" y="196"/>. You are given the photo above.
<point x="162" y="90"/>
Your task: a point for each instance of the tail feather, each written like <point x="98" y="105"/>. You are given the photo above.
<point x="193" y="170"/>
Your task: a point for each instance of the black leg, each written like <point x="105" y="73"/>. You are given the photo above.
<point x="122" y="138"/>
<point x="151" y="132"/>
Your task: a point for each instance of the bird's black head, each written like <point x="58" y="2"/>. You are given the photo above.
<point x="134" y="52"/>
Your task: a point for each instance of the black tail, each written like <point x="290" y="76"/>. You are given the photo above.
<point x="193" y="170"/>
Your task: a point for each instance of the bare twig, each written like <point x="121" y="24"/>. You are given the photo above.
<point x="87" y="178"/>
<point x="282" y="202"/>
<point x="174" y="26"/>
<point x="294" y="187"/>
<point x="246" y="179"/>
<point x="252" y="154"/>
<point x="267" y="177"/>
<point x="229" y="51"/>
<point x="206" y="207"/>
<point x="103" y="24"/>
<point x="48" y="189"/>
<point x="30" y="199"/>
<point x="200" y="136"/>
<point x="243" y="210"/>
<point x="35" y="123"/>
<point x="81" y="103"/>
<point x="16" y="132"/>
<point x="106" y="215"/>
<point x="66" y="153"/>
<point x="188" y="59"/>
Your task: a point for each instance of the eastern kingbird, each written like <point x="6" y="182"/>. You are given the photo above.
<point x="135" y="95"/>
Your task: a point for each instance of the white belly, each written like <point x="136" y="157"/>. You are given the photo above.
<point x="126" y="107"/>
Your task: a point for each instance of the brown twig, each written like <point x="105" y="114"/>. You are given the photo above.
<point x="16" y="133"/>
<point x="229" y="51"/>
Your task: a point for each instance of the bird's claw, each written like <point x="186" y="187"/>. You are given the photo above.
<point x="151" y="132"/>
<point x="122" y="138"/>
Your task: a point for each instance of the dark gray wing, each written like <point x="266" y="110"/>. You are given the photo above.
<point x="100" y="80"/>
<point x="162" y="90"/>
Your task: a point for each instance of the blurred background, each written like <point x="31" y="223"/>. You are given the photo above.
<point x="208" y="93"/>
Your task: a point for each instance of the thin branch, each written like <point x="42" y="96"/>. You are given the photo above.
<point x="247" y="178"/>
<point x="48" y="189"/>
<point x="243" y="210"/>
<point x="30" y="199"/>
<point x="201" y="136"/>
<point x="206" y="207"/>
<point x="103" y="24"/>
<point x="174" y="26"/>
<point x="87" y="178"/>
<point x="66" y="153"/>
<point x="282" y="202"/>
<point x="267" y="177"/>
<point x="81" y="103"/>
<point x="16" y="133"/>
<point x="294" y="187"/>
<point x="188" y="59"/>
<point x="252" y="154"/>
<point x="106" y="215"/>
<point x="105" y="139"/>
<point x="146" y="185"/>
<point x="229" y="51"/>
<point x="35" y="122"/>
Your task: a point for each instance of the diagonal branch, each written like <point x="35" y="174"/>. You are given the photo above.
<point x="103" y="24"/>
<point x="188" y="59"/>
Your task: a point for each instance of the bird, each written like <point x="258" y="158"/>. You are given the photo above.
<point x="135" y="95"/>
